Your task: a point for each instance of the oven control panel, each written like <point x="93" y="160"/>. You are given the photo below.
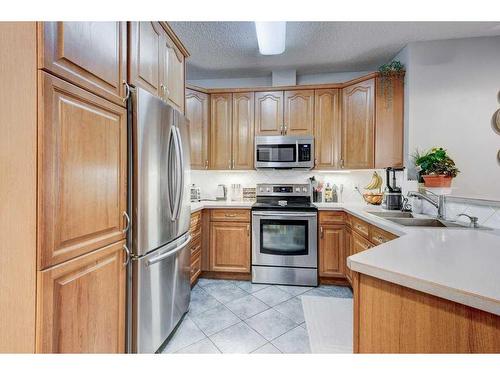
<point x="302" y="190"/>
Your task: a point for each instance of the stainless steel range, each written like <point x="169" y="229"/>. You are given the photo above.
<point x="284" y="235"/>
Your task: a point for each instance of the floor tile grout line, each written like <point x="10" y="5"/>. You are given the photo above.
<point x="268" y="342"/>
<point x="204" y="334"/>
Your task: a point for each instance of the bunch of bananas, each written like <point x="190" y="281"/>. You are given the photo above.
<point x="375" y="183"/>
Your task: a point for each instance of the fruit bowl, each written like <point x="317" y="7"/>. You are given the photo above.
<point x="373" y="198"/>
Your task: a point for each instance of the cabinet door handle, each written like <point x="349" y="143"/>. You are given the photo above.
<point x="230" y="215"/>
<point x="229" y="162"/>
<point x="206" y="164"/>
<point x="248" y="230"/>
<point x="127" y="218"/>
<point x="341" y="163"/>
<point x="127" y="255"/>
<point x="286" y="129"/>
<point x="321" y="231"/>
<point x="127" y="91"/>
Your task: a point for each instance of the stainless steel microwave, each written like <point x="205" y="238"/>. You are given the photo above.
<point x="284" y="152"/>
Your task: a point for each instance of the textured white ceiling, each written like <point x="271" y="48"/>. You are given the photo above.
<point x="229" y="49"/>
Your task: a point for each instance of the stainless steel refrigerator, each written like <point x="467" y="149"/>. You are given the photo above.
<point x="159" y="271"/>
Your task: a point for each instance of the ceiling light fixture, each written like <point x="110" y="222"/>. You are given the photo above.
<point x="271" y="37"/>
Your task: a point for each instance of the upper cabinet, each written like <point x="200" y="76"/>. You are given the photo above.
<point x="82" y="171"/>
<point x="269" y="113"/>
<point x="358" y="125"/>
<point x="70" y="50"/>
<point x="299" y="112"/>
<point x="145" y="53"/>
<point x="389" y="122"/>
<point x="220" y="131"/>
<point x="232" y="131"/>
<point x="327" y="128"/>
<point x="156" y="63"/>
<point x="243" y="130"/>
<point x="284" y="112"/>
<point x="173" y="75"/>
<point x="198" y="113"/>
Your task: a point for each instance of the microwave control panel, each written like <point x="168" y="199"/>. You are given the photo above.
<point x="304" y="152"/>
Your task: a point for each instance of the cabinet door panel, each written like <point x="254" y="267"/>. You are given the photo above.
<point x="81" y="304"/>
<point x="268" y="112"/>
<point x="243" y="130"/>
<point x="358" y="125"/>
<point x="220" y="131"/>
<point x="332" y="242"/>
<point x="230" y="247"/>
<point x="299" y="112"/>
<point x="174" y="80"/>
<point x="389" y="122"/>
<point x="146" y="55"/>
<point x="327" y="128"/>
<point x="82" y="172"/>
<point x="92" y="55"/>
<point x="197" y="111"/>
<point x="359" y="243"/>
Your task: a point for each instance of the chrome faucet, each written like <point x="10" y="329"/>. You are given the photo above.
<point x="438" y="201"/>
<point x="473" y="220"/>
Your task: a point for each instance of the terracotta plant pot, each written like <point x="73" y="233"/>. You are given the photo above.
<point x="440" y="180"/>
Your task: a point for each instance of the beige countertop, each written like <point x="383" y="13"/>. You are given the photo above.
<point x="461" y="265"/>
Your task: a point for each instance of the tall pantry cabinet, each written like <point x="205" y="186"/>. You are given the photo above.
<point x="68" y="294"/>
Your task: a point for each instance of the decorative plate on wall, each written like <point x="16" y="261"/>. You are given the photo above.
<point x="497" y="120"/>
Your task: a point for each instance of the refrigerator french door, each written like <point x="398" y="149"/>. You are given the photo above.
<point x="160" y="207"/>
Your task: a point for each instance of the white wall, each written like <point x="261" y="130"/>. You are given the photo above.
<point x="452" y="94"/>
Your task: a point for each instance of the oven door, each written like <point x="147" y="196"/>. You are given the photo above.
<point x="287" y="239"/>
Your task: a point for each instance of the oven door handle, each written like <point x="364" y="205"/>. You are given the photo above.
<point x="285" y="214"/>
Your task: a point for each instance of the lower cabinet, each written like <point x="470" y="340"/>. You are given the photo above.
<point x="359" y="243"/>
<point x="81" y="304"/>
<point x="331" y="254"/>
<point x="230" y="246"/>
<point x="348" y="252"/>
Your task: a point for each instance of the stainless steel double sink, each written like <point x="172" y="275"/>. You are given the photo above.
<point x="407" y="219"/>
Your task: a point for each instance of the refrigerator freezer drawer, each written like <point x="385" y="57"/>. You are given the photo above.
<point x="161" y="294"/>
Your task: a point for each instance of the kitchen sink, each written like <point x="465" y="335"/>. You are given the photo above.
<point x="394" y="214"/>
<point x="424" y="222"/>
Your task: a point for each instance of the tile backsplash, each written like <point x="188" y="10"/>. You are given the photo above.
<point x="208" y="180"/>
<point x="488" y="212"/>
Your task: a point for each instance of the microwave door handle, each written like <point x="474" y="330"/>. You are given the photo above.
<point x="297" y="152"/>
<point x="180" y="173"/>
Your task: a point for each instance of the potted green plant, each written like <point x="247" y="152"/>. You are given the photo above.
<point x="394" y="70"/>
<point x="436" y="167"/>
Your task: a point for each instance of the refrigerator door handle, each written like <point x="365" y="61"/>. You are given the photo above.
<point x="180" y="175"/>
<point x="174" y="251"/>
<point x="171" y="195"/>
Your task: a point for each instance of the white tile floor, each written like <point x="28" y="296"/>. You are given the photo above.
<point x="240" y="317"/>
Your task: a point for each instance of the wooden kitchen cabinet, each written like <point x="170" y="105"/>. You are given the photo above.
<point x="269" y="113"/>
<point x="220" y="131"/>
<point x="299" y="112"/>
<point x="172" y="79"/>
<point x="331" y="243"/>
<point x="348" y="252"/>
<point x="358" y="125"/>
<point x="389" y="122"/>
<point x="198" y="113"/>
<point x="359" y="243"/>
<point x="81" y="304"/>
<point x="232" y="131"/>
<point x="327" y="128"/>
<point x="243" y="130"/>
<point x="230" y="247"/>
<point x="82" y="171"/>
<point x="70" y="50"/>
<point x="146" y="56"/>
